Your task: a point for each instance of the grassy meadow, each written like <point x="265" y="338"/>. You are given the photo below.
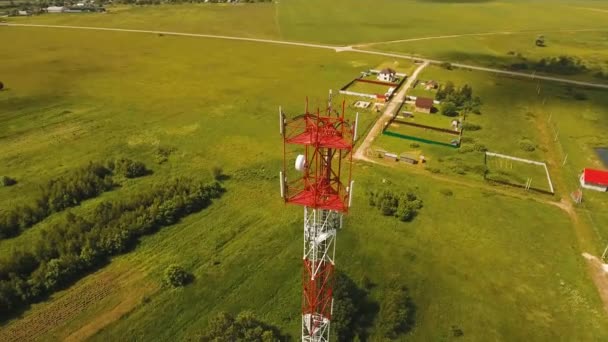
<point x="503" y="50"/>
<point x="490" y="264"/>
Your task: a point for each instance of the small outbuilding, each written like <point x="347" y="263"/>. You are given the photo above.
<point x="430" y="85"/>
<point x="594" y="180"/>
<point x="55" y="9"/>
<point x="387" y="75"/>
<point x="424" y="104"/>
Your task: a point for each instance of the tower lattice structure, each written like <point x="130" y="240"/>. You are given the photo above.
<point x="321" y="146"/>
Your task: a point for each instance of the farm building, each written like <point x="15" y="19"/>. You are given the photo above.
<point x="594" y="180"/>
<point x="387" y="75"/>
<point x="55" y="9"/>
<point x="424" y="104"/>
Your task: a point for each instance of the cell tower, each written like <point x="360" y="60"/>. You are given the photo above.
<point x="320" y="147"/>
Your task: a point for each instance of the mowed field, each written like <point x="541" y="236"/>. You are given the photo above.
<point x="495" y="266"/>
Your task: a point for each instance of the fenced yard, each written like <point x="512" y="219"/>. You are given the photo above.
<point x="518" y="172"/>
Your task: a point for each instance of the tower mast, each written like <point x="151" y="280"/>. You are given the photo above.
<point x="324" y="188"/>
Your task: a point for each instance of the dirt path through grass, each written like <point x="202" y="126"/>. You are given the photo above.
<point x="393" y="106"/>
<point x="320" y="46"/>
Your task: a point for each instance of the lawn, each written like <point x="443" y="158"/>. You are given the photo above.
<point x="368" y="88"/>
<point x="476" y="261"/>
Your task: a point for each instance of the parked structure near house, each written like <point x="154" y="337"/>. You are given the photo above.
<point x="387" y="75"/>
<point x="594" y="180"/>
<point x="424" y="104"/>
<point x="55" y="9"/>
<point x="430" y="85"/>
<point x="23" y="13"/>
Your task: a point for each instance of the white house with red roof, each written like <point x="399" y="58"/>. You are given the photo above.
<point x="594" y="180"/>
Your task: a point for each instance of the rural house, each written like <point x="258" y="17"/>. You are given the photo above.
<point x="594" y="180"/>
<point x="387" y="75"/>
<point x="424" y="104"/>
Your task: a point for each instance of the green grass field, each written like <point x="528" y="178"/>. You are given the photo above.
<point x="490" y="263"/>
<point x="503" y="50"/>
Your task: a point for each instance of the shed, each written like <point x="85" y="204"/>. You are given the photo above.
<point x="55" y="9"/>
<point x="594" y="180"/>
<point x="424" y="104"/>
<point x="387" y="75"/>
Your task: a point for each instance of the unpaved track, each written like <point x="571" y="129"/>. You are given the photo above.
<point x="388" y="114"/>
<point x="317" y="46"/>
<point x="496" y="33"/>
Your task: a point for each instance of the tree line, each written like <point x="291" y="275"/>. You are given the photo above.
<point x="67" y="191"/>
<point x="77" y="244"/>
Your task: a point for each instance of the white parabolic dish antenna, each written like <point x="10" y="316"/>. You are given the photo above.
<point x="300" y="162"/>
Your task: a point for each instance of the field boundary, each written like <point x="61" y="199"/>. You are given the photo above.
<point x="422" y="140"/>
<point x="442" y="130"/>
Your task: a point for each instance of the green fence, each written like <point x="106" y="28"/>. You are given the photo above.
<point x="426" y="141"/>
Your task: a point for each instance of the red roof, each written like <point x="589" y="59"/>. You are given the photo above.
<point x="597" y="177"/>
<point x="424" y="102"/>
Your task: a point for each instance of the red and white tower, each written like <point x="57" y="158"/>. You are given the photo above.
<point x="320" y="147"/>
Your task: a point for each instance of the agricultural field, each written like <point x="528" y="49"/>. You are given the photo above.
<point x="480" y="261"/>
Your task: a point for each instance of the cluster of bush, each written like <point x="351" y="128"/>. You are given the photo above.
<point x="7" y="181"/>
<point x="78" y="244"/>
<point x="564" y="65"/>
<point x="403" y="205"/>
<point x="244" y="327"/>
<point x="128" y="168"/>
<point x="55" y="196"/>
<point x="353" y="309"/>
<point x="455" y="100"/>
<point x="397" y="312"/>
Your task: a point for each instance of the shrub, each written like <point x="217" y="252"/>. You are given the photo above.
<point x="163" y="153"/>
<point x="527" y="145"/>
<point x="470" y="126"/>
<point x="446" y="192"/>
<point x="129" y="168"/>
<point x="446" y="65"/>
<point x="449" y="109"/>
<point x="217" y="173"/>
<point x="176" y="276"/>
<point x="414" y="145"/>
<point x="7" y="181"/>
<point x="479" y="147"/>
<point x="1" y="85"/>
<point x="433" y="169"/>
<point x="579" y="96"/>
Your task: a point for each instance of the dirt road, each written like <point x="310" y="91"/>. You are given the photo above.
<point x="388" y="114"/>
<point x="318" y="46"/>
